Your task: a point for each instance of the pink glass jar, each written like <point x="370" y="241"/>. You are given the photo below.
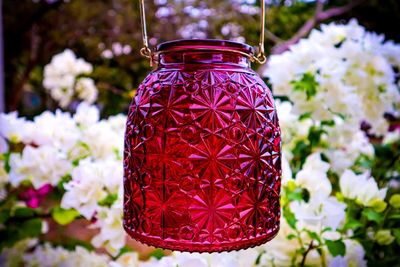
<point x="202" y="154"/>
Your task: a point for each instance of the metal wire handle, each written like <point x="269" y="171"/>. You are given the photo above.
<point x="258" y="58"/>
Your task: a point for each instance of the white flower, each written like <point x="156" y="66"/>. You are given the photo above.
<point x="60" y="76"/>
<point x="339" y="70"/>
<point x="55" y="129"/>
<point x="48" y="256"/>
<point x="3" y="145"/>
<point x="91" y="182"/>
<point x="85" y="189"/>
<point x="319" y="212"/>
<point x="86" y="90"/>
<point x="86" y="115"/>
<point x="102" y="140"/>
<point x="286" y="171"/>
<point x="290" y="123"/>
<point x="346" y="143"/>
<point x="117" y="123"/>
<point x="360" y="187"/>
<point x="313" y="176"/>
<point x="14" y="129"/>
<point x="391" y="137"/>
<point x="42" y="165"/>
<point x="111" y="236"/>
<point x="280" y="250"/>
<point x="129" y="259"/>
<point x="13" y="256"/>
<point x="354" y="256"/>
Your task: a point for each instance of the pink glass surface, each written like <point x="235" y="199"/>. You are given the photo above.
<point x="202" y="154"/>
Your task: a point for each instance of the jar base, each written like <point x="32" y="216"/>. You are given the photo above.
<point x="196" y="247"/>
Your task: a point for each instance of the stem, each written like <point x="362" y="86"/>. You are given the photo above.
<point x="323" y="260"/>
<point x="384" y="217"/>
<point x="310" y="247"/>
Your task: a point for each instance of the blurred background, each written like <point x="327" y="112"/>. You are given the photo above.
<point x="107" y="34"/>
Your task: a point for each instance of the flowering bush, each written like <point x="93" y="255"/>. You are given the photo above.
<point x="338" y="100"/>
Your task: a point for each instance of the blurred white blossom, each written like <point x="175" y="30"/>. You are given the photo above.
<point x="86" y="90"/>
<point x="354" y="256"/>
<point x="42" y="165"/>
<point x="86" y="115"/>
<point x="48" y="256"/>
<point x="13" y="128"/>
<point x="60" y="79"/>
<point x="361" y="187"/>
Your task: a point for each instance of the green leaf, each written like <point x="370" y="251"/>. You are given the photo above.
<point x="352" y="224"/>
<point x="108" y="200"/>
<point x="124" y="250"/>
<point x="372" y="215"/>
<point x="304" y="116"/>
<point x="4" y="215"/>
<point x="24" y="212"/>
<point x="157" y="253"/>
<point x="65" y="179"/>
<point x="290" y="218"/>
<point x="328" y="122"/>
<point x="291" y="236"/>
<point x="336" y="248"/>
<point x="307" y="84"/>
<point x="64" y="216"/>
<point x="295" y="195"/>
<point x="258" y="260"/>
<point x="31" y="228"/>
<point x="7" y="165"/>
<point x="395" y="217"/>
<point x="314" y="135"/>
<point x="396" y="233"/>
<point x="313" y="235"/>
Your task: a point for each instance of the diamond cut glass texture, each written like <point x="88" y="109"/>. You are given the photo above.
<point x="202" y="154"/>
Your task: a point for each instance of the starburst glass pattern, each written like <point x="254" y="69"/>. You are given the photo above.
<point x="202" y="158"/>
<point x="212" y="108"/>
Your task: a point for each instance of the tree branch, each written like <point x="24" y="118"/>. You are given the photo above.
<point x="272" y="37"/>
<point x="319" y="16"/>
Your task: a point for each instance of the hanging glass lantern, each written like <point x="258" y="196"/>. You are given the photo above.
<point x="202" y="154"/>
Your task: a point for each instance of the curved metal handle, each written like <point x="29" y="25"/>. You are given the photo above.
<point x="259" y="57"/>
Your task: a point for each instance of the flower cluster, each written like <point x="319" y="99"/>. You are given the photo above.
<point x="63" y="79"/>
<point x="340" y="71"/>
<point x="340" y="191"/>
<point x="79" y="153"/>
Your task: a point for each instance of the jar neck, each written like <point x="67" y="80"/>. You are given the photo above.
<point x="171" y="59"/>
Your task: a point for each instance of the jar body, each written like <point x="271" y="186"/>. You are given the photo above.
<point x="202" y="159"/>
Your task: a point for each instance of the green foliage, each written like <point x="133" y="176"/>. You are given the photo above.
<point x="372" y="215"/>
<point x="24" y="212"/>
<point x="306" y="84"/>
<point x="108" y="200"/>
<point x="353" y="224"/>
<point x="64" y="216"/>
<point x="289" y="216"/>
<point x="386" y="163"/>
<point x="19" y="229"/>
<point x="157" y="253"/>
<point x="303" y="148"/>
<point x="336" y="248"/>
